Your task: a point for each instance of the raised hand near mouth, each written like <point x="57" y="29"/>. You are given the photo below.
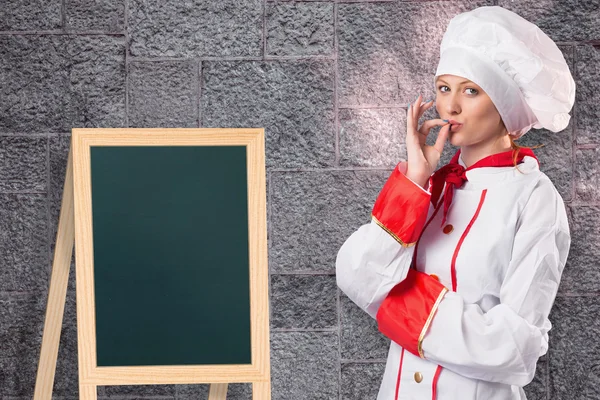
<point x="422" y="158"/>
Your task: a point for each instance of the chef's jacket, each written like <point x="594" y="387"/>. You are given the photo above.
<point x="466" y="304"/>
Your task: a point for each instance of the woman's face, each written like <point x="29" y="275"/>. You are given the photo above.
<point x="465" y="102"/>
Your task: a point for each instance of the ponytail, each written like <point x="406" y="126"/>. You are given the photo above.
<point x="516" y="149"/>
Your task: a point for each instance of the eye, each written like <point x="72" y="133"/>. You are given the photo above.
<point x="475" y="91"/>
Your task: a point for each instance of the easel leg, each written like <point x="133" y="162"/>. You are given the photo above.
<point x="218" y="391"/>
<point x="57" y="293"/>
<point x="88" y="392"/>
<point x="261" y="390"/>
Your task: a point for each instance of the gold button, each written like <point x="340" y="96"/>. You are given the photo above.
<point x="418" y="377"/>
<point x="434" y="276"/>
<point x="448" y="228"/>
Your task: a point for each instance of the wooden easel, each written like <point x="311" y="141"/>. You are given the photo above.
<point x="65" y="240"/>
<point x="57" y="295"/>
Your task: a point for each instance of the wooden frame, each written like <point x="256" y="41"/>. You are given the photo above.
<point x="77" y="197"/>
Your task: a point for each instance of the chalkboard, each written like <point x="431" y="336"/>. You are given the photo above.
<point x="171" y="259"/>
<point x="170" y="236"/>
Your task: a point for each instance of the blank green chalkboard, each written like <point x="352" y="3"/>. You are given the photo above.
<point x="170" y="229"/>
<point x="171" y="258"/>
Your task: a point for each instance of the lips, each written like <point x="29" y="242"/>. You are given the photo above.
<point x="454" y="125"/>
<point x="454" y="128"/>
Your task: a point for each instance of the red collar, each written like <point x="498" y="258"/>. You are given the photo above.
<point x="504" y="159"/>
<point x="455" y="175"/>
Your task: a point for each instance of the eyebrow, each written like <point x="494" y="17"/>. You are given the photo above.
<point x="460" y="83"/>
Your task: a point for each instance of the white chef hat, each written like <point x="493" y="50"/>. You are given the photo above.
<point x="515" y="63"/>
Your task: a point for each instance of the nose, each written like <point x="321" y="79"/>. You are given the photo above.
<point x="451" y="104"/>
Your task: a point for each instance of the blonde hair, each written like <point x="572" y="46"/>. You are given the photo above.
<point x="516" y="149"/>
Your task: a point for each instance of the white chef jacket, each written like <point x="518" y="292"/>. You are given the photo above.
<point x="488" y="334"/>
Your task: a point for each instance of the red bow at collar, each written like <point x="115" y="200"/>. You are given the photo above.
<point x="455" y="174"/>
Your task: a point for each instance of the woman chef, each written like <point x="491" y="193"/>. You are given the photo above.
<point x="460" y="268"/>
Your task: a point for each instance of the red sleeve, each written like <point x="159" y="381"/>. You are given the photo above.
<point x="407" y="311"/>
<point x="401" y="208"/>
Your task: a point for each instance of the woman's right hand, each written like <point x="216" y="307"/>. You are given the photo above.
<point x="422" y="158"/>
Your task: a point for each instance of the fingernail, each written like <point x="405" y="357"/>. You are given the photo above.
<point x="445" y="120"/>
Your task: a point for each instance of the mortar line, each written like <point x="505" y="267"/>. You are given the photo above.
<point x="126" y="26"/>
<point x="336" y="144"/>
<point x="574" y="131"/>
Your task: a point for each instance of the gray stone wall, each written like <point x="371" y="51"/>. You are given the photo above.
<point x="329" y="81"/>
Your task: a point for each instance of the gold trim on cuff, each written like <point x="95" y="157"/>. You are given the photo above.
<point x="428" y="322"/>
<point x="404" y="244"/>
